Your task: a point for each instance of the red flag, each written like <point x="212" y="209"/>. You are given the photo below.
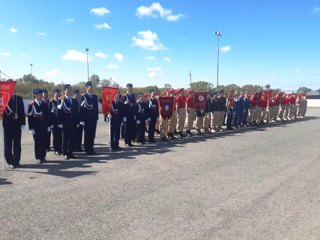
<point x="6" y="90"/>
<point x="200" y="100"/>
<point x="108" y="94"/>
<point x="166" y="106"/>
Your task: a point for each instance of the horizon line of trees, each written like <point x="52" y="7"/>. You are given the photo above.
<point x="27" y="83"/>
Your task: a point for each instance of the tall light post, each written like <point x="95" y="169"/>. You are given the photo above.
<point x="218" y="34"/>
<point x="31" y="68"/>
<point x="87" y="50"/>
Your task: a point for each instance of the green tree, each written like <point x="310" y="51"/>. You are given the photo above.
<point x="304" y="90"/>
<point x="201" y="86"/>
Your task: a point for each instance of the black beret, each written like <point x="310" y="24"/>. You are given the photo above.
<point x="44" y="90"/>
<point x="66" y="86"/>
<point x="88" y="84"/>
<point x="129" y="85"/>
<point x="57" y="90"/>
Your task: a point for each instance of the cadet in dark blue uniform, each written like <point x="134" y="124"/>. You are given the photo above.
<point x="39" y="124"/>
<point x="69" y="110"/>
<point x="152" y="115"/>
<point x="47" y="102"/>
<point x="115" y="118"/>
<point x="141" y="110"/>
<point x="56" y="126"/>
<point x="79" y="131"/>
<point x="89" y="116"/>
<point x="13" y="123"/>
<point x="129" y="128"/>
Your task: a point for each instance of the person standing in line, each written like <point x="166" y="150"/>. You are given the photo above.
<point x="141" y="117"/>
<point x="70" y="120"/>
<point x="190" y="107"/>
<point x="129" y="128"/>
<point x="153" y="114"/>
<point x="56" y="127"/>
<point x="172" y="121"/>
<point x="79" y="130"/>
<point x="89" y="116"/>
<point x="13" y="123"/>
<point x="46" y="100"/>
<point x="181" y="111"/>
<point x="39" y="125"/>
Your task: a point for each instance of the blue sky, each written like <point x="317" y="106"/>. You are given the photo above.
<point x="159" y="42"/>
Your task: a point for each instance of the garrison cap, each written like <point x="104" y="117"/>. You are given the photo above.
<point x="88" y="84"/>
<point x="66" y="86"/>
<point x="190" y="91"/>
<point x="44" y="90"/>
<point x="76" y="91"/>
<point x="37" y="91"/>
<point x="178" y="90"/>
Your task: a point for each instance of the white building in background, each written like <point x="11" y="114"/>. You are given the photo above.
<point x="313" y="100"/>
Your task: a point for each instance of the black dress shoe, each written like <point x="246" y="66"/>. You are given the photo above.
<point x="44" y="160"/>
<point x="119" y="148"/>
<point x="57" y="153"/>
<point x="66" y="157"/>
<point x="73" y="156"/>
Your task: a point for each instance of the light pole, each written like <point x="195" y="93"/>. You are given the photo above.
<point x="31" y="68"/>
<point x="218" y="34"/>
<point x="87" y="50"/>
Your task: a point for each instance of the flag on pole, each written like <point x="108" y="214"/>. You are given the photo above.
<point x="108" y="94"/>
<point x="6" y="90"/>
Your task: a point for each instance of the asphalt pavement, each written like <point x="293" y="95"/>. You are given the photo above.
<point x="252" y="183"/>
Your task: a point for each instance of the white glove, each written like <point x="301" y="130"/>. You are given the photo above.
<point x="52" y="126"/>
<point x="109" y="116"/>
<point x="149" y="119"/>
<point x="134" y="118"/>
<point x="82" y="123"/>
<point x="60" y="126"/>
<point x="32" y="131"/>
<point x="78" y="125"/>
<point x="22" y="127"/>
<point x="49" y="129"/>
<point x="138" y="122"/>
<point x="124" y="119"/>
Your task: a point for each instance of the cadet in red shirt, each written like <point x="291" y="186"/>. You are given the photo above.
<point x="181" y="111"/>
<point x="190" y="111"/>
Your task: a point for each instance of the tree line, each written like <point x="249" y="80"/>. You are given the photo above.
<point x="27" y="83"/>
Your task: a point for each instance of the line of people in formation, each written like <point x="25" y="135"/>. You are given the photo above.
<point x="68" y="115"/>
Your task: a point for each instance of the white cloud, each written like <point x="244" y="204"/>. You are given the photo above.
<point x="100" y="11"/>
<point x="73" y="55"/>
<point x="102" y="26"/>
<point x="225" y="49"/>
<point x="70" y="20"/>
<point x="53" y="73"/>
<point x="5" y="54"/>
<point x="154" y="69"/>
<point x="13" y="30"/>
<point x="101" y="55"/>
<point x="42" y="34"/>
<point x="167" y="59"/>
<point x="119" y="57"/>
<point x="147" y="40"/>
<point x="152" y="74"/>
<point x="150" y="57"/>
<point x="156" y="10"/>
<point x="112" y="66"/>
<point x="316" y="10"/>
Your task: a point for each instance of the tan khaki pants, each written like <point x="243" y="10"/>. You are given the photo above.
<point x="199" y="123"/>
<point x="172" y="122"/>
<point x="207" y="121"/>
<point x="191" y="116"/>
<point x="163" y="127"/>
<point x="181" y="118"/>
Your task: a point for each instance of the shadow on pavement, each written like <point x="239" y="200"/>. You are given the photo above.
<point x="4" y="181"/>
<point x="60" y="167"/>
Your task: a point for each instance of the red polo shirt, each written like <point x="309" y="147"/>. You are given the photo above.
<point x="190" y="102"/>
<point x="181" y="101"/>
